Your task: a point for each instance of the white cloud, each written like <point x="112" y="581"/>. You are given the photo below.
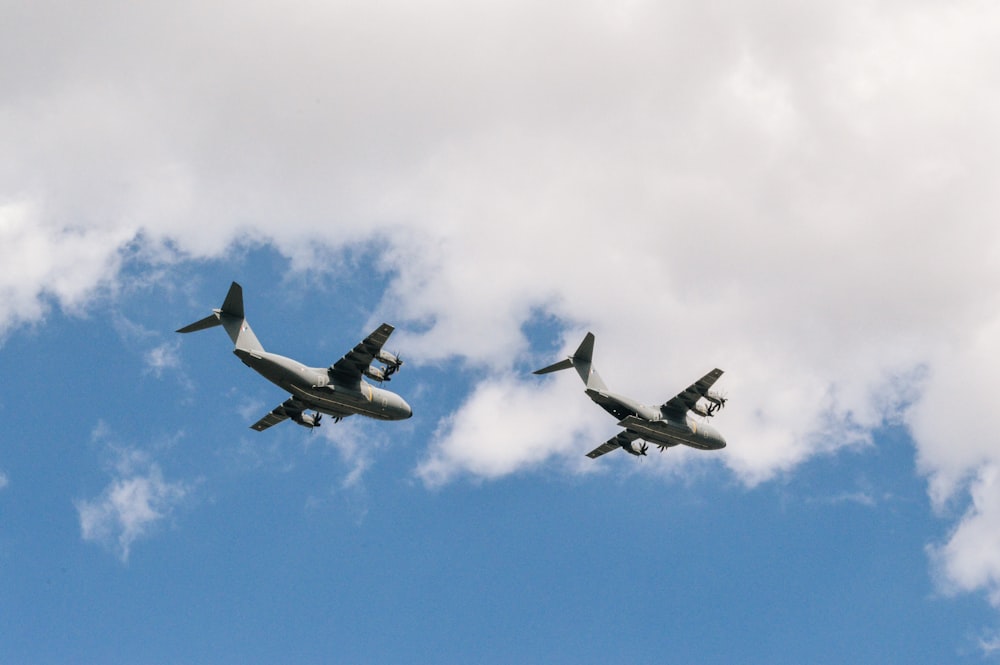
<point x="988" y="644"/>
<point x="508" y="424"/>
<point x="163" y="356"/>
<point x="132" y="504"/>
<point x="970" y="559"/>
<point x="42" y="257"/>
<point x="356" y="445"/>
<point x="803" y="195"/>
<point x="128" y="508"/>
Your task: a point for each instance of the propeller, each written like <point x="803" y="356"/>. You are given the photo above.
<point x="643" y="448"/>
<point x="392" y="368"/>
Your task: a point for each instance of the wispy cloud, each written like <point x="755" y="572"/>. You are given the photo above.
<point x="4" y="481"/>
<point x="860" y="498"/>
<point x="162" y="357"/>
<point x="989" y="645"/>
<point x="357" y="444"/>
<point x="136" y="500"/>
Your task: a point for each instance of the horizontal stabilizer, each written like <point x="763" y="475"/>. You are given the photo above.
<point x="562" y="364"/>
<point x="209" y="321"/>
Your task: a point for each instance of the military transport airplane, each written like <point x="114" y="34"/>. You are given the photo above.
<point x="667" y="425"/>
<point x="337" y="391"/>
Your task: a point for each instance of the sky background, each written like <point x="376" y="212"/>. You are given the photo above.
<point x="802" y="194"/>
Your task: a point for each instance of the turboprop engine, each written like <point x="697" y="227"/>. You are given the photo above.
<point x="388" y="358"/>
<point x="376" y="373"/>
<point x="715" y="404"/>
<point x="717" y="399"/>
<point x="392" y="364"/>
<point x="636" y="448"/>
<point x="309" y="420"/>
<point x="704" y="411"/>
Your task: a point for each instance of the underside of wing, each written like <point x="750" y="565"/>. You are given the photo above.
<point x="352" y="366"/>
<point x="686" y="400"/>
<point x="623" y="438"/>
<point x="281" y="412"/>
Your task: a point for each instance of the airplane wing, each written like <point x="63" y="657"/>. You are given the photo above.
<point x="685" y="401"/>
<point x="281" y="412"/>
<point x="623" y="438"/>
<point x="352" y="366"/>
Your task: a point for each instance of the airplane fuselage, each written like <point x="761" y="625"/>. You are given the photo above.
<point x="652" y="424"/>
<point x="319" y="391"/>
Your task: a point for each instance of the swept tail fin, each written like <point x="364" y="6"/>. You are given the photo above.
<point x="209" y="321"/>
<point x="583" y="361"/>
<point x="231" y="317"/>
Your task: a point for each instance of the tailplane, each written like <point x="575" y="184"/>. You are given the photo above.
<point x="582" y="361"/>
<point x="231" y="317"/>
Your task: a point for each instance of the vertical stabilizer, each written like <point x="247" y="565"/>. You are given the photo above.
<point x="235" y="322"/>
<point x="583" y="362"/>
<point x="233" y="304"/>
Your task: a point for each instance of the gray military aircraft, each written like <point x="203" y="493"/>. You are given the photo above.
<point x="337" y="391"/>
<point x="667" y="425"/>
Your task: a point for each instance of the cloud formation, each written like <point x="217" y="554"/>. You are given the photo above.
<point x="803" y="195"/>
<point x="505" y="425"/>
<point x="132" y="504"/>
<point x="161" y="357"/>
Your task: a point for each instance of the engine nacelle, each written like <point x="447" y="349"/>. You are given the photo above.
<point x="637" y="448"/>
<point x="392" y="364"/>
<point x="715" y="398"/>
<point x="309" y="420"/>
<point x="704" y="412"/>
<point x="387" y="358"/>
<point x="376" y="373"/>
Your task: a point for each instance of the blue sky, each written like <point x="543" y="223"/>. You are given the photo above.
<point x="265" y="551"/>
<point x="803" y="196"/>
